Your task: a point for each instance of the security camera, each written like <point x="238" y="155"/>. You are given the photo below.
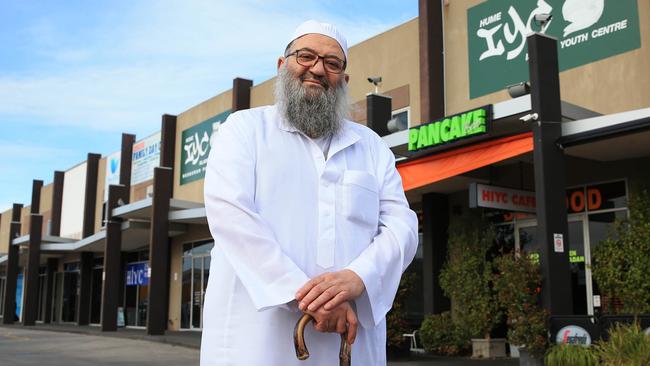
<point x="374" y="80"/>
<point x="543" y="18"/>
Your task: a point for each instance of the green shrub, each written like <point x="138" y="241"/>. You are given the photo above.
<point x="466" y="275"/>
<point x="627" y="345"/>
<point x="570" y="355"/>
<point x="517" y="283"/>
<point x="620" y="263"/>
<point x="440" y="335"/>
<point x="396" y="324"/>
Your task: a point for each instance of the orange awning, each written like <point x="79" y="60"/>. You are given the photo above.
<point x="434" y="168"/>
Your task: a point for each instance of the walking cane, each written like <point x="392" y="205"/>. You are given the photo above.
<point x="302" y="353"/>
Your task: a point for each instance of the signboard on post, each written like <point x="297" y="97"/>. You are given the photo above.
<point x="112" y="171"/>
<point x="146" y="156"/>
<point x="587" y="31"/>
<point x="195" y="150"/>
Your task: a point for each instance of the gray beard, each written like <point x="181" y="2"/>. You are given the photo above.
<point x="316" y="113"/>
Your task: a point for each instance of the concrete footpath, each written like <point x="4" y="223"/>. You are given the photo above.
<point x="190" y="341"/>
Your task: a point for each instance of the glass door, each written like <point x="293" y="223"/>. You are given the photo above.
<point x="200" y="273"/>
<point x="579" y="257"/>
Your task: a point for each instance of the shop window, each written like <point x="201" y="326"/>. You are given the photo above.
<point x="195" y="273"/>
<point x="402" y="116"/>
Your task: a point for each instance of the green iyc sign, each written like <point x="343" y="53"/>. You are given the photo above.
<point x="450" y="129"/>
<point x="586" y="30"/>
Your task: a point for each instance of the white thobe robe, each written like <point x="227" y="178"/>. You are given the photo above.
<point x="281" y="213"/>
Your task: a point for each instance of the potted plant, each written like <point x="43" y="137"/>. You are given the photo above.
<point x="517" y="282"/>
<point x="466" y="280"/>
<point x="628" y="248"/>
<point x="441" y="336"/>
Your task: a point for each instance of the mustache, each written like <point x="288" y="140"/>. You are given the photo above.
<point x="322" y="80"/>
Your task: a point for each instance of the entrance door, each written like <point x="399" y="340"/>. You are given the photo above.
<point x="195" y="281"/>
<point x="57" y="297"/>
<point x="579" y="257"/>
<point x="96" y="295"/>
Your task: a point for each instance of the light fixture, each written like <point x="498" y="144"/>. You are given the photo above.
<point x="395" y="125"/>
<point x="519" y="89"/>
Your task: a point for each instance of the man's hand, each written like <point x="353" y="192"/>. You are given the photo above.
<point x="338" y="320"/>
<point x="330" y="289"/>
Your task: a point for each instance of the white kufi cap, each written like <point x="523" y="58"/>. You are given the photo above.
<point x="326" y="29"/>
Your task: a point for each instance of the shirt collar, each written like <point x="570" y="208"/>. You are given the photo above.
<point x="344" y="138"/>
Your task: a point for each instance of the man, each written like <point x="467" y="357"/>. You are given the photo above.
<point x="308" y="214"/>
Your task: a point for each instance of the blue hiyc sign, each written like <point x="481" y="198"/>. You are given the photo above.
<point x="137" y="274"/>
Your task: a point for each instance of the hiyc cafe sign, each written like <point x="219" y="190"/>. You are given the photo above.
<point x="587" y="31"/>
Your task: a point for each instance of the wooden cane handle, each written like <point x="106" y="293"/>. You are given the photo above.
<point x="345" y="352"/>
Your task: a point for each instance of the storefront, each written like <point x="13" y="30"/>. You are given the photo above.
<point x="195" y="273"/>
<point x="136" y="288"/>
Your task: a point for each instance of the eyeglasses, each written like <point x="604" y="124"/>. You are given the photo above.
<point x="308" y="58"/>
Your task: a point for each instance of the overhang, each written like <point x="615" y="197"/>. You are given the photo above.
<point x="195" y="216"/>
<point x="505" y="116"/>
<point x="24" y="240"/>
<point x="135" y="234"/>
<point x="612" y="137"/>
<point x="142" y="210"/>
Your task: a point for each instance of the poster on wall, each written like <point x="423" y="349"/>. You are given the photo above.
<point x="146" y="156"/>
<point x="112" y="171"/>
<point x="196" y="142"/>
<point x="586" y="30"/>
<point x="72" y="207"/>
<point x="19" y="295"/>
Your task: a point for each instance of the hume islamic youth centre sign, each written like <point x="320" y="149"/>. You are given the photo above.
<point x="586" y="30"/>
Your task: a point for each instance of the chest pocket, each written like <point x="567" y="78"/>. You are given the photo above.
<point x="360" y="199"/>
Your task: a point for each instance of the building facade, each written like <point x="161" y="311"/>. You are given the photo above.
<point x="122" y="239"/>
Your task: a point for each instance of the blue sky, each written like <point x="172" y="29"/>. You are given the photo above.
<point x="76" y="74"/>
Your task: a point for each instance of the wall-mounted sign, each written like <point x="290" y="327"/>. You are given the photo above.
<point x="587" y="31"/>
<point x="580" y="199"/>
<point x="450" y="129"/>
<point x="481" y="195"/>
<point x="558" y="242"/>
<point x="196" y="142"/>
<point x="146" y="156"/>
<point x="137" y="274"/>
<point x="573" y="334"/>
<point x="112" y="171"/>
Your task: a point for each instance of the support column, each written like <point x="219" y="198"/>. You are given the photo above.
<point x="241" y="94"/>
<point x="159" y="252"/>
<point x="9" y="306"/>
<point x="550" y="175"/>
<point x="167" y="140"/>
<point x="435" y="209"/>
<point x="126" y="158"/>
<point x="379" y="112"/>
<point x="112" y="258"/>
<point x="52" y="264"/>
<point x="90" y="194"/>
<point x="88" y="229"/>
<point x="432" y="70"/>
<point x="85" y="273"/>
<point x="30" y="298"/>
<point x="57" y="203"/>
